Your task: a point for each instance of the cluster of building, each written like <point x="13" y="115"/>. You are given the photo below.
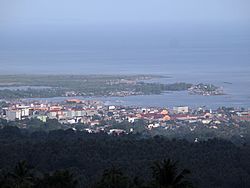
<point x="95" y="114"/>
<point x="205" y="89"/>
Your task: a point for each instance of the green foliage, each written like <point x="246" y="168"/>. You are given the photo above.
<point x="166" y="175"/>
<point x="82" y="85"/>
<point x="113" y="178"/>
<point x="25" y="177"/>
<point x="3" y="104"/>
<point x="59" y="179"/>
<point x="213" y="163"/>
<point x="156" y="88"/>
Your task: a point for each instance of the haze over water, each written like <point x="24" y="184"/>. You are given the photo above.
<point x="189" y="54"/>
<point x="150" y="49"/>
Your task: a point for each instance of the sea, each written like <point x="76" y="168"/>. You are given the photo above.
<point x="218" y="55"/>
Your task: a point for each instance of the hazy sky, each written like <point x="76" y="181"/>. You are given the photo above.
<point x="59" y="32"/>
<point x="13" y="12"/>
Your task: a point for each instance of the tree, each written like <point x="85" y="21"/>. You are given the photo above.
<point x="166" y="175"/>
<point x="21" y="177"/>
<point x="137" y="183"/>
<point x="113" y="178"/>
<point x="59" y="179"/>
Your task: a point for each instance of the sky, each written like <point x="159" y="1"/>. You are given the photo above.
<point x="61" y="12"/>
<point x="111" y="33"/>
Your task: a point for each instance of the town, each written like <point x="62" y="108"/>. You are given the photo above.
<point x="94" y="116"/>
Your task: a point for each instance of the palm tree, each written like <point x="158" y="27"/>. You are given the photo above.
<point x="58" y="179"/>
<point x="113" y="178"/>
<point x="5" y="180"/>
<point x="136" y="182"/>
<point x="166" y="175"/>
<point x="22" y="177"/>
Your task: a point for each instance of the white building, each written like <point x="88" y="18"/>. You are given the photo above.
<point x="25" y="112"/>
<point x="180" y="109"/>
<point x="111" y="107"/>
<point x="13" y="115"/>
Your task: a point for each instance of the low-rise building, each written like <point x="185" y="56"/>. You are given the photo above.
<point x="180" y="109"/>
<point x="13" y="115"/>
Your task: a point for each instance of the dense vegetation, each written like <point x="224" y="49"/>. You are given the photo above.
<point x="31" y="93"/>
<point x="156" y="88"/>
<point x="238" y="133"/>
<point x="213" y="163"/>
<point x="165" y="174"/>
<point x="82" y="85"/>
<point x="69" y="81"/>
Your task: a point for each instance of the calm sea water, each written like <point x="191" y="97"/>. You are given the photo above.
<point x="210" y="55"/>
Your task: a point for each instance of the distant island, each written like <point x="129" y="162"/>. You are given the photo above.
<point x="205" y="89"/>
<point x="46" y="86"/>
<point x="228" y="83"/>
